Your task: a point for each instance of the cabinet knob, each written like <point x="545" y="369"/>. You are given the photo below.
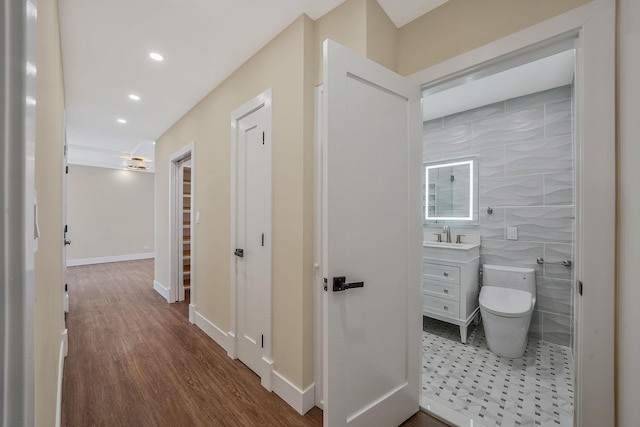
<point x="446" y="274"/>
<point x="446" y="291"/>
<point x="446" y="307"/>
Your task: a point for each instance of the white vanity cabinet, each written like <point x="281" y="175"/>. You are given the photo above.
<point x="450" y="283"/>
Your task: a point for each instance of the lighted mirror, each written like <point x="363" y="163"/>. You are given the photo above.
<point x="451" y="192"/>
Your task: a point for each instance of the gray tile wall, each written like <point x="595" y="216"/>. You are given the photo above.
<point x="526" y="151"/>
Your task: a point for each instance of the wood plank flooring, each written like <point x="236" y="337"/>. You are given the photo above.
<point x="135" y="360"/>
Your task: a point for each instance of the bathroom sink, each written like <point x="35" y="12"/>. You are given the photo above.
<point x="460" y="252"/>
<point x="444" y="245"/>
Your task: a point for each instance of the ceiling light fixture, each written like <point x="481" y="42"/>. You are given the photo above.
<point x="123" y="121"/>
<point x="134" y="97"/>
<point x="138" y="163"/>
<point x="156" y="56"/>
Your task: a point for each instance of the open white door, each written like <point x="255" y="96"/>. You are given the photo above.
<point x="372" y="233"/>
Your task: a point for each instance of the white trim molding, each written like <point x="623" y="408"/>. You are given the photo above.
<point x="162" y="290"/>
<point x="64" y="342"/>
<point x="300" y="400"/>
<point x="215" y="333"/>
<point x="106" y="259"/>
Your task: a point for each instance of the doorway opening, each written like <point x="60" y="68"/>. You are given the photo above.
<point x="517" y="121"/>
<point x="183" y="218"/>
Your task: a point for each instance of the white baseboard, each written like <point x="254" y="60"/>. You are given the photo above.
<point x="61" y="356"/>
<point x="213" y="331"/>
<point x="192" y="313"/>
<point x="102" y="260"/>
<point x="301" y="401"/>
<point x="157" y="286"/>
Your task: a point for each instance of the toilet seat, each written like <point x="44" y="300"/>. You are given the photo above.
<point x="505" y="302"/>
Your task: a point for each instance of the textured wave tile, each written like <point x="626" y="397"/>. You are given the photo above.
<point x="430" y="125"/>
<point x="525" y="125"/>
<point x="475" y="114"/>
<point x="554" y="252"/>
<point x="544" y="97"/>
<point x="492" y="226"/>
<point x="542" y="224"/>
<point x="523" y="190"/>
<point x="490" y="161"/>
<point x="554" y="295"/>
<point x="558" y="188"/>
<point x="535" y="328"/>
<point x="556" y="329"/>
<point x="558" y="118"/>
<point x="448" y="140"/>
<point x="512" y="253"/>
<point x="547" y="155"/>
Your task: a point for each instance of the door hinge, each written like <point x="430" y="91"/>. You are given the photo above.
<point x="262" y="239"/>
<point x="325" y="283"/>
<point x="579" y="287"/>
<point x="66" y="287"/>
<point x="262" y="344"/>
<point x="66" y="169"/>
<point x="262" y="138"/>
<point x="66" y="228"/>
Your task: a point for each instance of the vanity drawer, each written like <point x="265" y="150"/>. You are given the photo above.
<point x="440" y="272"/>
<point x="441" y="306"/>
<point x="442" y="290"/>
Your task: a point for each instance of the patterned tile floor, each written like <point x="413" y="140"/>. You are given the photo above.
<point x="534" y="390"/>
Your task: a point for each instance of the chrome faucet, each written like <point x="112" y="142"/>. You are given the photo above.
<point x="447" y="231"/>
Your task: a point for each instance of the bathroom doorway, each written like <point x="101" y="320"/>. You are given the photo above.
<point x="516" y="121"/>
<point x="557" y="291"/>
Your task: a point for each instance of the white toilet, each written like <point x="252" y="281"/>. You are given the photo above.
<point x="507" y="299"/>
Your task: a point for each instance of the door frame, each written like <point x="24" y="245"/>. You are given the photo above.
<point x="175" y="221"/>
<point x="593" y="27"/>
<point x="263" y="100"/>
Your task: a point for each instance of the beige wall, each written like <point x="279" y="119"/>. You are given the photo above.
<point x="459" y="26"/>
<point x="109" y="212"/>
<point x="628" y="251"/>
<point x="279" y="65"/>
<point x="48" y="258"/>
<point x="382" y="37"/>
<point x="346" y="24"/>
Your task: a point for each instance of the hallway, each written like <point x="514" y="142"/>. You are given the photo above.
<point x="135" y="360"/>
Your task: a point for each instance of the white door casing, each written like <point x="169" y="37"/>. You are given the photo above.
<point x="175" y="225"/>
<point x="251" y="236"/>
<point x="372" y="233"/>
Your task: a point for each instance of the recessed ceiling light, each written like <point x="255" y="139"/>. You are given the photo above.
<point x="134" y="97"/>
<point x="123" y="121"/>
<point x="156" y="56"/>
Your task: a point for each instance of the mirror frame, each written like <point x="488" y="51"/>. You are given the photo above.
<point x="472" y="218"/>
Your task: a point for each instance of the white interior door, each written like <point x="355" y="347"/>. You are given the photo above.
<point x="253" y="232"/>
<point x="372" y="233"/>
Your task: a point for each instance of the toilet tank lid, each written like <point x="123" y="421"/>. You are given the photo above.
<point x="508" y="268"/>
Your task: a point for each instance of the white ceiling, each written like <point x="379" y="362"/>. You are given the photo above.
<point x="105" y="47"/>
<point x="546" y="73"/>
